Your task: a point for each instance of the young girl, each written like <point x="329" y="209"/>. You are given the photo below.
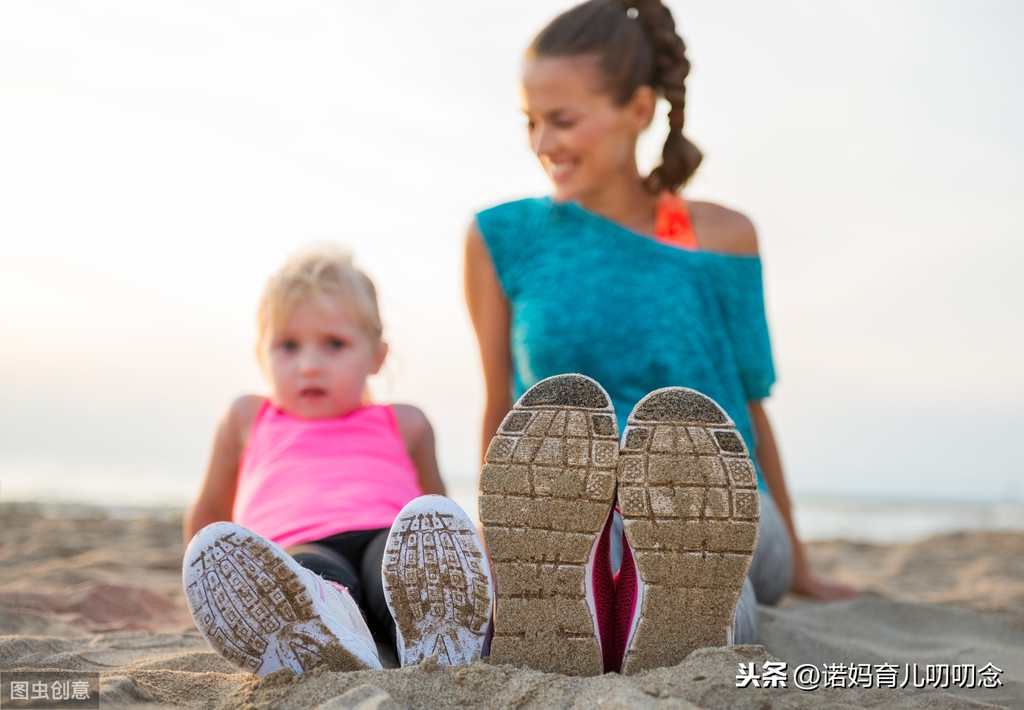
<point x="616" y="277"/>
<point x="314" y="478"/>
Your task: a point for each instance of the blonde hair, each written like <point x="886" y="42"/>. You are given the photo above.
<point x="318" y="272"/>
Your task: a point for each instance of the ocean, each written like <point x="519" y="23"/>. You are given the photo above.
<point x="879" y="520"/>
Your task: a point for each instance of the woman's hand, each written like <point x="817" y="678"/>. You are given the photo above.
<point x="805" y="580"/>
<point x="809" y="583"/>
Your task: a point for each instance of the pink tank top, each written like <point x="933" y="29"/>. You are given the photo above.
<point x="302" y="480"/>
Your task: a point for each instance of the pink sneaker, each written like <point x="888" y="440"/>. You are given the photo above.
<point x="546" y="492"/>
<point x="690" y="512"/>
<point x="261" y="610"/>
<point x="603" y="585"/>
<point x="625" y="616"/>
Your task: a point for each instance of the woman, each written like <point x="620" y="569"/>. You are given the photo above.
<point x="614" y="275"/>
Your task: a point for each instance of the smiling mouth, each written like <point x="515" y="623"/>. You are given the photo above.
<point x="560" y="171"/>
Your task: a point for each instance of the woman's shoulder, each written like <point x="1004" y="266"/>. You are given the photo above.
<point x="509" y="235"/>
<point x="524" y="204"/>
<point x="721" y="229"/>
<point x="509" y="216"/>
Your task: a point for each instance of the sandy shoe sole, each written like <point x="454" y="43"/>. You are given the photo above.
<point x="688" y="496"/>
<point x="262" y="611"/>
<point x="437" y="583"/>
<point x="546" y="490"/>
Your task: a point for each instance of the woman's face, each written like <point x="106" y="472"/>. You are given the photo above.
<point x="585" y="143"/>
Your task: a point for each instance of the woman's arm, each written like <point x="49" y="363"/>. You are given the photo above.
<point x="217" y="496"/>
<point x="805" y="580"/>
<point x="419" y="442"/>
<point x="489" y="312"/>
<point x="720" y="229"/>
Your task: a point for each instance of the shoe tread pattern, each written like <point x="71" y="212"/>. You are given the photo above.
<point x="438" y="585"/>
<point x="256" y="612"/>
<point x="690" y="509"/>
<point x="547" y="487"/>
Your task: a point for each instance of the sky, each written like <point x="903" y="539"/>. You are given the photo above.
<point x="159" y="160"/>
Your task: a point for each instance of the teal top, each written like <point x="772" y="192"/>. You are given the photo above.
<point x="590" y="296"/>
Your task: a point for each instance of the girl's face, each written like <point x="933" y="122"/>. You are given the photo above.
<point x="319" y="360"/>
<point x="585" y="143"/>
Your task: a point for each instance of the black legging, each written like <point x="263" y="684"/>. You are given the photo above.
<point x="353" y="559"/>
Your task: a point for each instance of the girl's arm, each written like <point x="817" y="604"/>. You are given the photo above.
<point x="217" y="496"/>
<point x="805" y="580"/>
<point x="488" y="309"/>
<point x="418" y="436"/>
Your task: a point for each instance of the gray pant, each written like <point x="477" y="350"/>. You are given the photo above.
<point x="771" y="571"/>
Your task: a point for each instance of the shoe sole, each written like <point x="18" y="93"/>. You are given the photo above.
<point x="546" y="490"/>
<point x="262" y="611"/>
<point x="437" y="583"/>
<point x="687" y="492"/>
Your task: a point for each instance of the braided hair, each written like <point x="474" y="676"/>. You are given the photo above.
<point x="636" y="44"/>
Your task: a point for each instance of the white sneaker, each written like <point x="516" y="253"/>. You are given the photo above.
<point x="437" y="582"/>
<point x="263" y="611"/>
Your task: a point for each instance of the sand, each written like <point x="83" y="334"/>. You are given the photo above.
<point x="81" y="591"/>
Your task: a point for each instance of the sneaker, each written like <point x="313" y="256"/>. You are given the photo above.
<point x="261" y="610"/>
<point x="603" y="585"/>
<point x="690" y="510"/>
<point x="546" y="492"/>
<point x="625" y="606"/>
<point x="437" y="583"/>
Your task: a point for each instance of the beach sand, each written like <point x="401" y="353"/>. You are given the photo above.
<point x="82" y="591"/>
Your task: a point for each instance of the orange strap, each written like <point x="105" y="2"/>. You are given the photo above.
<point x="672" y="223"/>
